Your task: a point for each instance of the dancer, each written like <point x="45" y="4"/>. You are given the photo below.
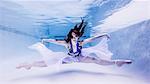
<point x="98" y="54"/>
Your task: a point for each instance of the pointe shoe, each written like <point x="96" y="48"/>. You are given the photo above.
<point x="20" y="66"/>
<point x="119" y="63"/>
<point x="27" y="67"/>
<point x="24" y="65"/>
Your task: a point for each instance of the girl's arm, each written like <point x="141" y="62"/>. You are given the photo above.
<point x="93" y="38"/>
<point x="58" y="42"/>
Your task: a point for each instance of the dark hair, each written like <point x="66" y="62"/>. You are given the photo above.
<point x="78" y="30"/>
<point x="69" y="36"/>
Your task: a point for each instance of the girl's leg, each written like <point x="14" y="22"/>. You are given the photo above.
<point x="69" y="60"/>
<point x="34" y="64"/>
<point x="119" y="63"/>
<point x="95" y="60"/>
<point x="103" y="62"/>
<point x="39" y="64"/>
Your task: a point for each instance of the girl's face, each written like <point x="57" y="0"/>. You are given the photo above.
<point x="74" y="35"/>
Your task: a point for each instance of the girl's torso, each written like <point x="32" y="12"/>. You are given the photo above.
<point x="74" y="48"/>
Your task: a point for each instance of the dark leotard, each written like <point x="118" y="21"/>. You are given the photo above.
<point x="77" y="53"/>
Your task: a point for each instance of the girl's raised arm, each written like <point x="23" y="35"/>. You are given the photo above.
<point x="93" y="38"/>
<point x="58" y="42"/>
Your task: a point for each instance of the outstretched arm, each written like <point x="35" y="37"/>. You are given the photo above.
<point x="93" y="38"/>
<point x="58" y="42"/>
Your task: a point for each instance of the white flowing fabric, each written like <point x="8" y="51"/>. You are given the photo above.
<point x="100" y="50"/>
<point x="50" y="57"/>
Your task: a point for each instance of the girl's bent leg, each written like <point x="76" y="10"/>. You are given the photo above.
<point x="39" y="64"/>
<point x="104" y="62"/>
<point x="97" y="61"/>
<point x="34" y="64"/>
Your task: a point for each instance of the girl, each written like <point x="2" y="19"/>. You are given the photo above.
<point x="98" y="54"/>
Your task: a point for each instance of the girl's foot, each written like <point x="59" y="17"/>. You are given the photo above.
<point x="24" y="65"/>
<point x="119" y="63"/>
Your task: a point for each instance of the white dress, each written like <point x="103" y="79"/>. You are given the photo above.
<point x="50" y="57"/>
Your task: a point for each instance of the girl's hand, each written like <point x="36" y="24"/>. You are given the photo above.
<point x="104" y="35"/>
<point x="108" y="37"/>
<point x="43" y="40"/>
